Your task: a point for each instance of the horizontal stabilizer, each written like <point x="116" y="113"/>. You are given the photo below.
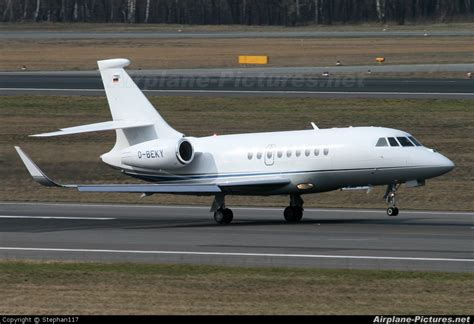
<point x="105" y="126"/>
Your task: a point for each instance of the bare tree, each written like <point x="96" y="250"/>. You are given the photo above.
<point x="25" y="10"/>
<point x="75" y="12"/>
<point x="316" y="12"/>
<point x="63" y="12"/>
<point x="271" y="12"/>
<point x="8" y="11"/>
<point x="147" y="11"/>
<point x="37" y="10"/>
<point x="132" y="7"/>
<point x="380" y="5"/>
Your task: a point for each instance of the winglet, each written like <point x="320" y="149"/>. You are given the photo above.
<point x="35" y="172"/>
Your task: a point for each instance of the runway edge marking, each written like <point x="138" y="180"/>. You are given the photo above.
<point x="57" y="217"/>
<point x="259" y="91"/>
<point x="312" y="256"/>
<point x="347" y="210"/>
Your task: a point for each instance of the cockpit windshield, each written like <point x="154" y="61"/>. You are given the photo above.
<point x="404" y="141"/>
<point x="397" y="141"/>
<point x="415" y="141"/>
<point x="381" y="142"/>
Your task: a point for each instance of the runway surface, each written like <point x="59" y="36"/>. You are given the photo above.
<point x="244" y="34"/>
<point x="235" y="84"/>
<point x="327" y="238"/>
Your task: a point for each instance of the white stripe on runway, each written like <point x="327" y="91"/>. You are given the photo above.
<point x="466" y="94"/>
<point x="191" y="253"/>
<point x="315" y="210"/>
<point x="57" y="217"/>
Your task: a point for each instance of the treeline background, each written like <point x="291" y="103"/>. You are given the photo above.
<point x="244" y="12"/>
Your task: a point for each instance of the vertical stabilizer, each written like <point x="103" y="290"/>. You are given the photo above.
<point x="128" y="103"/>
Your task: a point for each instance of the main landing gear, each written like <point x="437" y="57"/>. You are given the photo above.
<point x="294" y="212"/>
<point x="222" y="215"/>
<point x="389" y="196"/>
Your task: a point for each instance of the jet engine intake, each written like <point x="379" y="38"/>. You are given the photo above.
<point x="159" y="154"/>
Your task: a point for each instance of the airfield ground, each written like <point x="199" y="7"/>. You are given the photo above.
<point x="222" y="53"/>
<point x="116" y="288"/>
<point x="441" y="124"/>
<point x="92" y="288"/>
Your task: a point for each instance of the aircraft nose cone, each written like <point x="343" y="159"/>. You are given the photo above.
<point x="445" y="165"/>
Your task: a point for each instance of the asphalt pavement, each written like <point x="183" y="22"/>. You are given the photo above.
<point x="326" y="238"/>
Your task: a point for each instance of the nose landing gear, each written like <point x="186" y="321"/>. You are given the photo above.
<point x="389" y="197"/>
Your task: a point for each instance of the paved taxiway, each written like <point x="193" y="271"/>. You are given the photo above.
<point x="329" y="238"/>
<point x="243" y="34"/>
<point x="173" y="83"/>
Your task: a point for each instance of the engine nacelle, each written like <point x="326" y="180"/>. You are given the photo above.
<point x="159" y="154"/>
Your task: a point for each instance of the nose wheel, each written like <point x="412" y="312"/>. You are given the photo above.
<point x="392" y="211"/>
<point x="389" y="196"/>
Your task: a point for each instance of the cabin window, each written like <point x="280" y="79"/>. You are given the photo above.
<point x="316" y="152"/>
<point x="259" y="155"/>
<point x="288" y="153"/>
<point x="415" y="141"/>
<point x="326" y="151"/>
<point x="392" y="141"/>
<point x="298" y="153"/>
<point x="382" y="142"/>
<point x="307" y="152"/>
<point x="404" y="141"/>
<point x="280" y="154"/>
<point x="269" y="154"/>
<point x="250" y="155"/>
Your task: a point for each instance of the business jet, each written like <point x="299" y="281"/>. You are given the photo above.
<point x="290" y="163"/>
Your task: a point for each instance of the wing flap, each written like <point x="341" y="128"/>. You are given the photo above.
<point x="255" y="183"/>
<point x="152" y="188"/>
<point x="97" y="127"/>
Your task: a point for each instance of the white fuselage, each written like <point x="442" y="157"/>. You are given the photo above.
<point x="325" y="159"/>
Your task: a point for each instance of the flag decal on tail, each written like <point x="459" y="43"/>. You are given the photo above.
<point x="116" y="78"/>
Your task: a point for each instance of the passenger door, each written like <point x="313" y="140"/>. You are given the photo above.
<point x="269" y="155"/>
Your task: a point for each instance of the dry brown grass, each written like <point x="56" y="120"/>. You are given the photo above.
<point x="443" y="124"/>
<point x="90" y="288"/>
<point x="222" y="53"/>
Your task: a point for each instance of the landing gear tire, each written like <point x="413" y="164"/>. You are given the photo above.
<point x="223" y="216"/>
<point x="389" y="196"/>
<point x="392" y="211"/>
<point x="293" y="214"/>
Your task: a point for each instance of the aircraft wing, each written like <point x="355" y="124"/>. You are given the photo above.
<point x="198" y="189"/>
<point x="43" y="179"/>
